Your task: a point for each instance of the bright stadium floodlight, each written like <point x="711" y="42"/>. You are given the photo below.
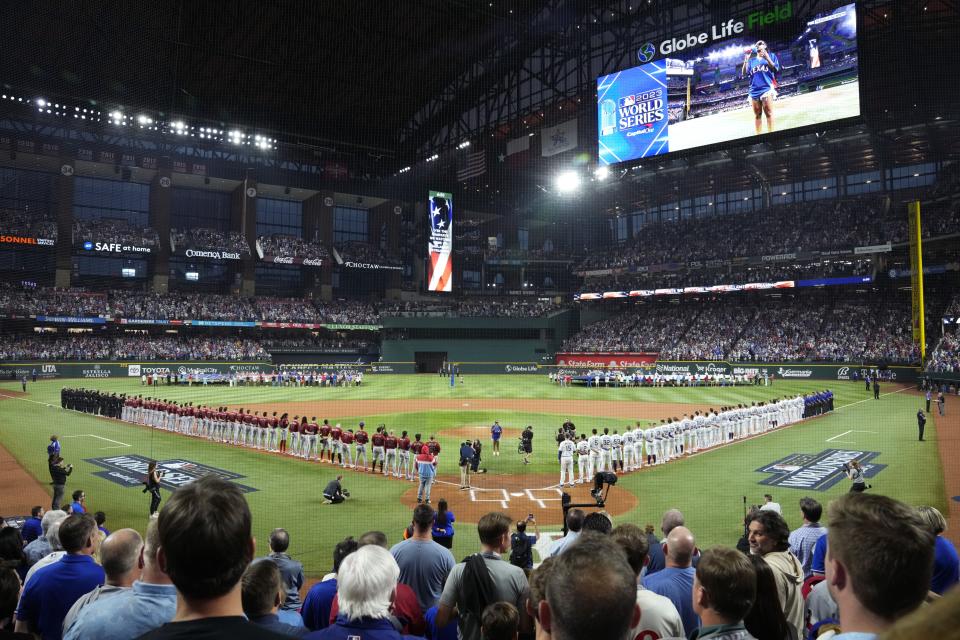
<point x="601" y="173"/>
<point x="116" y="116"/>
<point x="41" y="102"/>
<point x="236" y="137"/>
<point x="567" y="181"/>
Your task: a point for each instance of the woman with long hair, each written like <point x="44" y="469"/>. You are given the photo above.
<point x="153" y="485"/>
<point x="855" y="473"/>
<point x="443" y="525"/>
<point x="762" y="66"/>
<point x="766" y="620"/>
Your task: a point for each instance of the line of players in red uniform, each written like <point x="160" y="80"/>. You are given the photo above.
<point x="298" y="437"/>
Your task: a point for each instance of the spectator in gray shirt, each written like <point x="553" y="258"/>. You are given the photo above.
<point x="41" y="546"/>
<point x="463" y="591"/>
<point x="291" y="573"/>
<point x="424" y="564"/>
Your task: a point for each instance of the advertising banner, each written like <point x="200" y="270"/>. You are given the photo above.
<point x="605" y="359"/>
<point x="440" y="246"/>
<point x="26" y="241"/>
<point x="115" y="247"/>
<point x="211" y="254"/>
<point x="307" y="262"/>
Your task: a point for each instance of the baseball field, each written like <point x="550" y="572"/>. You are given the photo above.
<point x="709" y="487"/>
<point x="833" y="103"/>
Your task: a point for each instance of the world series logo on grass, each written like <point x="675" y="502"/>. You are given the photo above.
<point x="131" y="470"/>
<point x="817" y="471"/>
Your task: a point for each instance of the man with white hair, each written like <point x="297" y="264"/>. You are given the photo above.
<point x="366" y="586"/>
<point x="41" y="546"/>
<point x="56" y="550"/>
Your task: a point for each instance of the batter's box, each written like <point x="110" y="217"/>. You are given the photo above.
<point x="503" y="497"/>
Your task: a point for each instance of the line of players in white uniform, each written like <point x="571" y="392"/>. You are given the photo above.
<point x="672" y="438"/>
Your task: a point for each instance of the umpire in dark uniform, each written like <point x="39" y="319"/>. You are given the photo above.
<point x="876" y="388"/>
<point x="921" y="422"/>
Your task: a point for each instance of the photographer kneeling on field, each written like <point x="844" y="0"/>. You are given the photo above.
<point x="334" y="493"/>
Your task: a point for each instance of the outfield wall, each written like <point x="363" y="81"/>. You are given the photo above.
<point x="536" y="363"/>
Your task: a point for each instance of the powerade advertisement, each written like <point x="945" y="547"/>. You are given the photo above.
<point x="764" y="72"/>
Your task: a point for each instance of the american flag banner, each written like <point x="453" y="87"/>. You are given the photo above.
<point x="472" y="165"/>
<point x="440" y="245"/>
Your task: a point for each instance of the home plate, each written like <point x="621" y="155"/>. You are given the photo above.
<point x="518" y="494"/>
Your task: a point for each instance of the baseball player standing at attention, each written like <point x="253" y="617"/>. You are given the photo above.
<point x="583" y="458"/>
<point x="284" y="430"/>
<point x="403" y="456"/>
<point x="605" y="445"/>
<point x="390" y="448"/>
<point x="616" y="451"/>
<point x="308" y="440"/>
<point x="628" y="450"/>
<point x="346" y="440"/>
<point x="377" y="439"/>
<point x="324" y="439"/>
<point x="361" y="438"/>
<point x="294" y="435"/>
<point x="496" y="432"/>
<point x="335" y="450"/>
<point x="594" y="442"/>
<point x="566" y="461"/>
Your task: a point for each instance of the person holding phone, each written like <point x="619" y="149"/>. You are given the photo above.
<point x="762" y="66"/>
<point x="153" y="485"/>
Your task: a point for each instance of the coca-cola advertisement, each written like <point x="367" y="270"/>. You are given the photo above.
<point x="611" y="359"/>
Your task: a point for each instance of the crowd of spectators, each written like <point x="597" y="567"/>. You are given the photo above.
<point x="19" y="301"/>
<point x="286" y="310"/>
<point x="28" y="224"/>
<point x="782" y="229"/>
<point x="946" y="356"/>
<point x="113" y="230"/>
<point x="286" y="246"/>
<point x="204" y="239"/>
<point x="166" y="306"/>
<point x="128" y="347"/>
<point x="368" y="253"/>
<point x="743" y="274"/>
<point x="865" y="565"/>
<point x="758" y="332"/>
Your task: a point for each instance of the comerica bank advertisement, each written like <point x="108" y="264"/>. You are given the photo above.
<point x="748" y="76"/>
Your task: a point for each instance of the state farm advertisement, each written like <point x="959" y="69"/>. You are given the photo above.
<point x="601" y="359"/>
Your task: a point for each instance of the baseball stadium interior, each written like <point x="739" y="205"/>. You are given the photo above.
<point x="698" y="260"/>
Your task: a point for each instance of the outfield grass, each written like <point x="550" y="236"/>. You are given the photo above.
<point x="709" y="487"/>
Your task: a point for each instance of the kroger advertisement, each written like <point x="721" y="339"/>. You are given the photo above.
<point x="760" y="73"/>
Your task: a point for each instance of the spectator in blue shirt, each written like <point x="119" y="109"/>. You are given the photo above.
<point x="53" y="449"/>
<point x="316" y="606"/>
<point x="946" y="565"/>
<point x="262" y="594"/>
<point x="434" y="632"/>
<point x="147" y="605"/>
<point x="54" y="588"/>
<point x="101" y="518"/>
<point x="675" y="581"/>
<point x="803" y="540"/>
<point x="33" y="527"/>
<point x="79" y="500"/>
